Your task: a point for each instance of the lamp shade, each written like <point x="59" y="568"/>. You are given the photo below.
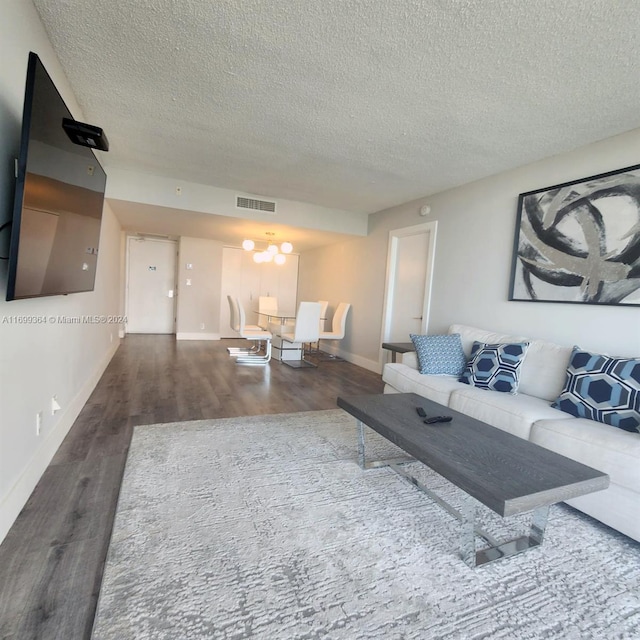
<point x="248" y="245"/>
<point x="286" y="247"/>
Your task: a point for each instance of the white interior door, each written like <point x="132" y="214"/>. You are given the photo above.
<point x="409" y="275"/>
<point x="151" y="282"/>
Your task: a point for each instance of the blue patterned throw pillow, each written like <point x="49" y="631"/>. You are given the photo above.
<point x="495" y="366"/>
<point x="603" y="389"/>
<point x="439" y="355"/>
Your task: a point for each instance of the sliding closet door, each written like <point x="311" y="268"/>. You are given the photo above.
<point x="243" y="277"/>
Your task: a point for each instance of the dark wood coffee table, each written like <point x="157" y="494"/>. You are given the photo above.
<point x="506" y="473"/>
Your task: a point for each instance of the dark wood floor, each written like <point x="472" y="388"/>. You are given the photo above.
<point x="52" y="559"/>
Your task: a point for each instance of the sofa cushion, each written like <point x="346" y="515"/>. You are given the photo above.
<point x="544" y="370"/>
<point x="469" y="335"/>
<point x="597" y="445"/>
<point x="603" y="389"/>
<point x="408" y="380"/>
<point x="512" y="413"/>
<point x="495" y="366"/>
<point x="439" y="355"/>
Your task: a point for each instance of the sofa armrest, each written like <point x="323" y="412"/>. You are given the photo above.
<point x="410" y="359"/>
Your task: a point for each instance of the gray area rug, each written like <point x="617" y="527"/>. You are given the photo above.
<point x="266" y="527"/>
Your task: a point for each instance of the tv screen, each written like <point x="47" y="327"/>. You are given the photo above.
<point x="58" y="200"/>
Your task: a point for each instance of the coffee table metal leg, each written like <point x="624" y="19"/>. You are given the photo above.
<point x="361" y="456"/>
<point x="467" y="516"/>
<point x="376" y="464"/>
<point x="538" y="524"/>
<point x="496" y="550"/>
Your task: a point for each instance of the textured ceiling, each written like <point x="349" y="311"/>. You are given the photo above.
<point x="358" y="104"/>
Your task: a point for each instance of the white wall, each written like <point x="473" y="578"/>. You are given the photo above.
<point x="133" y="186"/>
<point x="38" y="361"/>
<point x="351" y="272"/>
<point x="198" y="308"/>
<point x="476" y="226"/>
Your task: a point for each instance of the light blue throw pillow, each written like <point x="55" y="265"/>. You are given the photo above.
<point x="495" y="366"/>
<point x="439" y="355"/>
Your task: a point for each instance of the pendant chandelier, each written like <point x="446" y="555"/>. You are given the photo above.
<point x="273" y="252"/>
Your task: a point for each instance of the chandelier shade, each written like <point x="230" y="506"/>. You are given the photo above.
<point x="273" y="252"/>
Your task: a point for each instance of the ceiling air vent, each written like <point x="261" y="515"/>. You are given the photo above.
<point x="257" y="205"/>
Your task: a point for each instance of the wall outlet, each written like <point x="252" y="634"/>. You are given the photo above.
<point x="202" y="325"/>
<point x="178" y="191"/>
<point x="38" y="422"/>
<point x="55" y="407"/>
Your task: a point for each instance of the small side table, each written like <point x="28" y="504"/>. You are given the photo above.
<point x="398" y="347"/>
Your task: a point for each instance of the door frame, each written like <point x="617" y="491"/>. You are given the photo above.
<point x="138" y="237"/>
<point x="392" y="264"/>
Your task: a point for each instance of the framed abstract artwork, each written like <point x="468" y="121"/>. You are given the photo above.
<point x="579" y="242"/>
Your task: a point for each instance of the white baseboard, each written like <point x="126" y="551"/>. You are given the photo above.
<point x="18" y="495"/>
<point x="181" y="335"/>
<point x="365" y="363"/>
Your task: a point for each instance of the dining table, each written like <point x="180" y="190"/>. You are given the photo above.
<point x="281" y="315"/>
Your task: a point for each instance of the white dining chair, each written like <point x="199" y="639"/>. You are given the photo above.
<point x="257" y="335"/>
<point x="306" y="329"/>
<point x="324" y="305"/>
<point x="234" y="323"/>
<point x="338" y="326"/>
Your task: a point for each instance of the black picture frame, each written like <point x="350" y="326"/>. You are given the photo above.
<point x="578" y="242"/>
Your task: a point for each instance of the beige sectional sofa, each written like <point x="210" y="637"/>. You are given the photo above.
<point x="528" y="414"/>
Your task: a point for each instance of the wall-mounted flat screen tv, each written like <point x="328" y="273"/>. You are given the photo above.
<point x="58" y="200"/>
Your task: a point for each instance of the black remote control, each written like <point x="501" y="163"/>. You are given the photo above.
<point x="421" y="412"/>
<point x="438" y="419"/>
